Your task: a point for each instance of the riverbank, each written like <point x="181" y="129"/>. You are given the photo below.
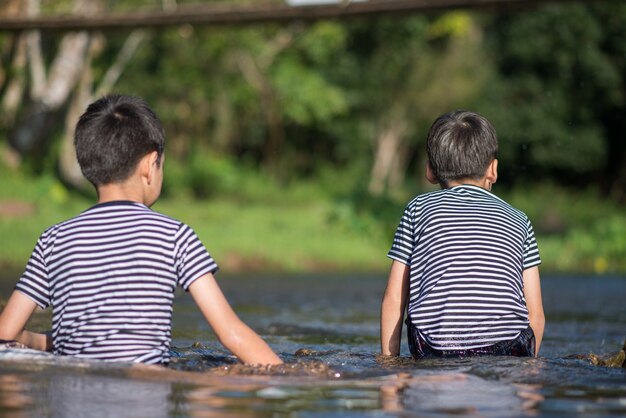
<point x="311" y="226"/>
<point x="290" y="231"/>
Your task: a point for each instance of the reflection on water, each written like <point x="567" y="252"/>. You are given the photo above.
<point x="326" y="328"/>
<point x="15" y="395"/>
<point x="67" y="396"/>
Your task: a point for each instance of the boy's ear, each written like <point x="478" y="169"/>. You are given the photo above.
<point x="149" y="166"/>
<point x="491" y="174"/>
<point x="430" y="174"/>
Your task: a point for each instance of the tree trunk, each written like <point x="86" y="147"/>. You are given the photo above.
<point x="255" y="76"/>
<point x="224" y="122"/>
<point x="32" y="131"/>
<point x="399" y="166"/>
<point x="254" y="70"/>
<point x="50" y="93"/>
<point x="70" y="171"/>
<point x="14" y="91"/>
<point x="388" y="157"/>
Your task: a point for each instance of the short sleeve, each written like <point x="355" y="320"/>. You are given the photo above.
<point x="34" y="281"/>
<point x="531" y="251"/>
<point x="191" y="259"/>
<point x="403" y="240"/>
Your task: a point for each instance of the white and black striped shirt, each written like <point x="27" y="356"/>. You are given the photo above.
<point x="467" y="250"/>
<point x="110" y="275"/>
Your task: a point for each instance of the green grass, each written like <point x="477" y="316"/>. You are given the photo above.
<point x="577" y="231"/>
<point x="255" y="224"/>
<point x="268" y="236"/>
<point x="294" y="230"/>
<point x="43" y="201"/>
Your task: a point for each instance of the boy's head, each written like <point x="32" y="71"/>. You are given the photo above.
<point x="461" y="145"/>
<point x="113" y="135"/>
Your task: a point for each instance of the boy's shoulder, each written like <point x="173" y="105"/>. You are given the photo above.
<point x="112" y="212"/>
<point x="427" y="197"/>
<point x="470" y="195"/>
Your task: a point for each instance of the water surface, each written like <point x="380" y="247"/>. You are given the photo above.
<point x="326" y="329"/>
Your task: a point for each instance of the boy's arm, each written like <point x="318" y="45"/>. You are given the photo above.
<point x="392" y="309"/>
<point x="236" y="336"/>
<point x="532" y="294"/>
<point x="13" y="319"/>
<point x="36" y="340"/>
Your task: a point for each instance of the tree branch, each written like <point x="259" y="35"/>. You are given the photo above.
<point x="123" y="57"/>
<point x="243" y="14"/>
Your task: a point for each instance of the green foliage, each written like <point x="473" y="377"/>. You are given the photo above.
<point x="455" y="24"/>
<point x="576" y="231"/>
<point x="261" y="225"/>
<point x="323" y="42"/>
<point x="605" y="254"/>
<point x="305" y="95"/>
<point x="208" y="176"/>
<point x="329" y="88"/>
<point x="548" y="103"/>
<point x="41" y="201"/>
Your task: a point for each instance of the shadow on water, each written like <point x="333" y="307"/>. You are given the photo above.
<point x="326" y="330"/>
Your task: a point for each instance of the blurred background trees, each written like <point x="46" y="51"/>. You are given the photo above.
<point x="342" y="104"/>
<point x="289" y="99"/>
<point x="560" y="94"/>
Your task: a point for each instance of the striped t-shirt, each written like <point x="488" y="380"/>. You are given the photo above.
<point x="466" y="249"/>
<point x="110" y="274"/>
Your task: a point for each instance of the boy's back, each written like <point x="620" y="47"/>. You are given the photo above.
<point x="465" y="248"/>
<point x="465" y="262"/>
<point x="110" y="274"/>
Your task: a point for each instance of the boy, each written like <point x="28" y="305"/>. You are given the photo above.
<point x="465" y="262"/>
<point x="110" y="273"/>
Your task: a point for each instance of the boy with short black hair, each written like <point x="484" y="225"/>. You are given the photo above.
<point x="110" y="273"/>
<point x="465" y="263"/>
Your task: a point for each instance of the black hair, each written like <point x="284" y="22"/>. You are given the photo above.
<point x="112" y="136"/>
<point x="461" y="145"/>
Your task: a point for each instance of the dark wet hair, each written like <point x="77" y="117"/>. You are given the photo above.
<point x="112" y="136"/>
<point x="461" y="145"/>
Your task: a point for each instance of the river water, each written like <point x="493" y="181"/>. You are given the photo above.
<point x="326" y="329"/>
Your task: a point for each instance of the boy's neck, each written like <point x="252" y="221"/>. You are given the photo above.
<point x="142" y="186"/>
<point x="120" y="191"/>
<point x="483" y="183"/>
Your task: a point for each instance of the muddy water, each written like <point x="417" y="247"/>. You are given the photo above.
<point x="326" y="329"/>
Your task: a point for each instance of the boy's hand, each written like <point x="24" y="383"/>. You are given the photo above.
<point x="11" y="344"/>
<point x="236" y="336"/>
<point x="36" y="340"/>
